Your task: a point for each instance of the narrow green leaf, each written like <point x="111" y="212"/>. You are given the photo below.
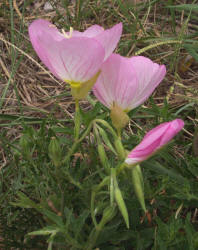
<point x="45" y="231"/>
<point x="189" y="7"/>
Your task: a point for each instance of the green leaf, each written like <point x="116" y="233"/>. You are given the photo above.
<point x="92" y="114"/>
<point x="192" y="50"/>
<point x="53" y="217"/>
<point x="190" y="7"/>
<point x="158" y="168"/>
<point x="45" y="231"/>
<point x="64" y="130"/>
<point x="80" y="221"/>
<point x="25" y="202"/>
<point x="189" y="232"/>
<point x="106" y="139"/>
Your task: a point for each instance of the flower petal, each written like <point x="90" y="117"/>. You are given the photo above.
<point x="154" y="140"/>
<point x="149" y="75"/>
<point x="36" y="30"/>
<point x="110" y="38"/>
<point x="93" y="31"/>
<point x="117" y="82"/>
<point x="75" y="59"/>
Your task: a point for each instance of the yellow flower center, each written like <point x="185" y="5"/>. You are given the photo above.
<point x="74" y="84"/>
<point x="70" y="33"/>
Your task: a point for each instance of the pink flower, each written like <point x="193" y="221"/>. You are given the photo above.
<point x="127" y="82"/>
<point x="74" y="57"/>
<point x="154" y="140"/>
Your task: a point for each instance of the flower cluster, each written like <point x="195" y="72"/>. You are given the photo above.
<point x="86" y="59"/>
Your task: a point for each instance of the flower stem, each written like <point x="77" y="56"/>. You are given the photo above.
<point x="106" y="124"/>
<point x="74" y="146"/>
<point x="119" y="133"/>
<point x="77" y="120"/>
<point x="94" y="236"/>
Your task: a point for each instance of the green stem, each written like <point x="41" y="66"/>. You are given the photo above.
<point x="119" y="133"/>
<point x="74" y="146"/>
<point x="95" y="232"/>
<point x="120" y="149"/>
<point x="104" y="182"/>
<point x="62" y="204"/>
<point x="120" y="168"/>
<point x="156" y="45"/>
<point x="71" y="179"/>
<point x="77" y="120"/>
<point x="106" y="124"/>
<point x="93" y="195"/>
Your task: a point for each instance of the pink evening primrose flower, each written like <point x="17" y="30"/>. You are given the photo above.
<point x="74" y="57"/>
<point x="154" y="140"/>
<point x="127" y="82"/>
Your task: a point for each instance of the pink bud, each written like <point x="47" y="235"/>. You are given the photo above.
<point x="154" y="140"/>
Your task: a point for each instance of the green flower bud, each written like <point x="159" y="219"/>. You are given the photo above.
<point x="108" y="214"/>
<point x="17" y="155"/>
<point x="55" y="152"/>
<point x="25" y="146"/>
<point x="103" y="157"/>
<point x="138" y="184"/>
<point x="121" y="205"/>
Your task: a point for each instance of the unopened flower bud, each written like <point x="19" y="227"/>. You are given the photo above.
<point x="54" y="151"/>
<point x="103" y="157"/>
<point x="25" y="146"/>
<point x="138" y="184"/>
<point x="121" y="205"/>
<point x="108" y="214"/>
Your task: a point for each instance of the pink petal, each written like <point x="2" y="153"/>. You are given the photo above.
<point x="175" y="126"/>
<point x="116" y="83"/>
<point x="110" y="38"/>
<point x="36" y="29"/>
<point x="127" y="81"/>
<point x="93" y="31"/>
<point x="39" y="26"/>
<point x="75" y="59"/>
<point x="149" y="75"/>
<point x="154" y="140"/>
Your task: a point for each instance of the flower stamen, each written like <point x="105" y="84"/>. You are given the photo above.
<point x="70" y="33"/>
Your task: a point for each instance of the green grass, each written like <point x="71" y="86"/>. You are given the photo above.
<point x="34" y="195"/>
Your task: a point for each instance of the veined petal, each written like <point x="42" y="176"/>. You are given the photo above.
<point x="73" y="56"/>
<point x="149" y="75"/>
<point x="110" y="38"/>
<point x="76" y="59"/>
<point x="36" y="30"/>
<point x="128" y="81"/>
<point x="117" y="82"/>
<point x="39" y="26"/>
